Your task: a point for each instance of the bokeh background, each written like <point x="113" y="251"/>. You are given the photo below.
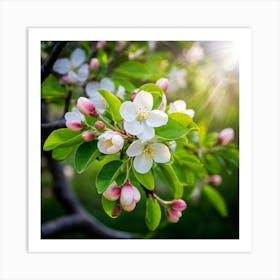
<point x="206" y="76"/>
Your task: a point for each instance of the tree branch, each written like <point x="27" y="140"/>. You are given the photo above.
<point x="47" y="66"/>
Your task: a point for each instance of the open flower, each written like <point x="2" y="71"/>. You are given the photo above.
<point x="177" y="79"/>
<point x="92" y="91"/>
<point x="110" y="142"/>
<point x="139" y="118"/>
<point x="74" y="119"/>
<point x="180" y="106"/>
<point x="147" y="152"/>
<point x="129" y="196"/>
<point x="73" y="68"/>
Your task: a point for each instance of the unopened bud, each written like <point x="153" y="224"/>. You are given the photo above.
<point x="178" y="205"/>
<point x="88" y="136"/>
<point x="133" y="94"/>
<point x="163" y="83"/>
<point x="173" y="215"/>
<point x="112" y="193"/>
<point x="64" y="80"/>
<point x="74" y="125"/>
<point x="101" y="44"/>
<point x="99" y="125"/>
<point x="116" y="211"/>
<point x="225" y="136"/>
<point x="216" y="180"/>
<point x="86" y="107"/>
<point x="94" y="64"/>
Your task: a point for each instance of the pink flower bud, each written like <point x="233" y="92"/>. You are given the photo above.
<point x="101" y="44"/>
<point x="216" y="180"/>
<point x="99" y="125"/>
<point x="116" y="211"/>
<point x="88" y="136"/>
<point x="112" y="193"/>
<point x="225" y="136"/>
<point x="86" y="107"/>
<point x="133" y="94"/>
<point x="163" y="83"/>
<point x="74" y="125"/>
<point x="129" y="196"/>
<point x="162" y="105"/>
<point x="178" y="205"/>
<point x="94" y="64"/>
<point x="64" y="80"/>
<point x="173" y="215"/>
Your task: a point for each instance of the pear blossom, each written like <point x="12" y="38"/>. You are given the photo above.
<point x="92" y="91"/>
<point x="146" y="153"/>
<point x="69" y="67"/>
<point x="129" y="196"/>
<point x="139" y="118"/>
<point x="74" y="119"/>
<point x="180" y="106"/>
<point x="110" y="142"/>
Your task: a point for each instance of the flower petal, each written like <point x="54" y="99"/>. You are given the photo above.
<point x="62" y="66"/>
<point x="180" y="105"/>
<point x="117" y="141"/>
<point x="136" y="194"/>
<point x="83" y="73"/>
<point x="146" y="133"/>
<point x="162" y="153"/>
<point x="189" y="112"/>
<point x="126" y="195"/>
<point x="78" y="56"/>
<point x="136" y="148"/>
<point x="106" y="83"/>
<point x="157" y="118"/>
<point x="92" y="89"/>
<point x="132" y="127"/>
<point x="142" y="164"/>
<point x="144" y="99"/>
<point x="72" y="77"/>
<point x="128" y="111"/>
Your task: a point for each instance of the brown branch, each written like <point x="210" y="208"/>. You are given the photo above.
<point x="47" y="66"/>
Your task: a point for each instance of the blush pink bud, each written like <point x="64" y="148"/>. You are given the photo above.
<point x="99" y="125"/>
<point x="216" y="180"/>
<point x="173" y="215"/>
<point x="74" y="125"/>
<point x="94" y="64"/>
<point x="129" y="196"/>
<point x="116" y="211"/>
<point x="163" y="83"/>
<point x="64" y="80"/>
<point x="163" y="103"/>
<point x="101" y="44"/>
<point x="86" y="107"/>
<point x="112" y="193"/>
<point x="178" y="205"/>
<point x="133" y="94"/>
<point x="88" y="136"/>
<point x="225" y="136"/>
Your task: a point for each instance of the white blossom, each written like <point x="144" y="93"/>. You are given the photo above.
<point x="180" y="106"/>
<point x="73" y="68"/>
<point x="139" y="118"/>
<point x="110" y="142"/>
<point x="147" y="152"/>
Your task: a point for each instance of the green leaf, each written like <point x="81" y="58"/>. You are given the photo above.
<point x="210" y="139"/>
<point x="153" y="213"/>
<point x="172" y="179"/>
<point x="113" y="102"/>
<point x="216" y="199"/>
<point x="107" y="175"/>
<point x="62" y="153"/>
<point x="185" y="175"/>
<point x="102" y="57"/>
<point x="132" y="69"/>
<point x="193" y="162"/>
<point x="147" y="179"/>
<point x="62" y="137"/>
<point x="51" y="87"/>
<point x="181" y="118"/>
<point x="212" y="164"/>
<point x="171" y="130"/>
<point x="85" y="154"/>
<point x="155" y="91"/>
<point x="108" y="206"/>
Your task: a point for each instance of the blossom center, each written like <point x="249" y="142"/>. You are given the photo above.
<point x="109" y="142"/>
<point x="149" y="151"/>
<point x="142" y="114"/>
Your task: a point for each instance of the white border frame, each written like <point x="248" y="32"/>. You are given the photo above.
<point x="242" y="37"/>
<point x="263" y="260"/>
